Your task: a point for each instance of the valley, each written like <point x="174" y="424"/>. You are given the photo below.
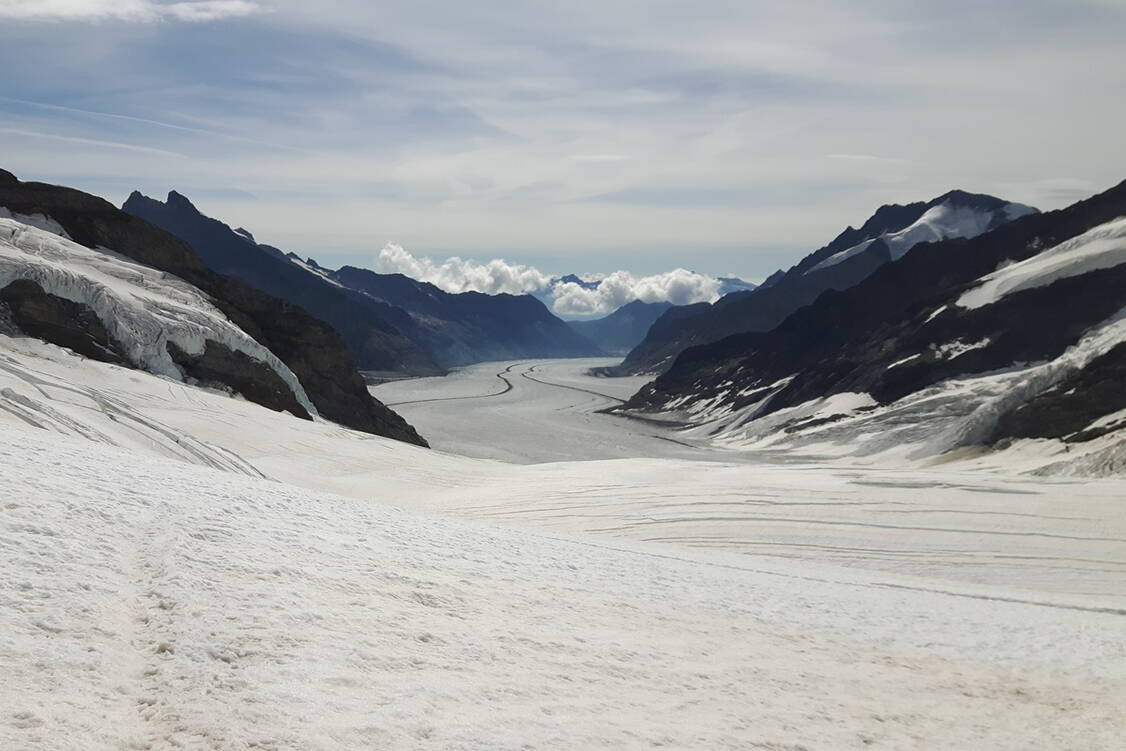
<point x="535" y="411"/>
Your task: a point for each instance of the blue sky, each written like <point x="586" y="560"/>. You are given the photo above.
<point x="724" y="136"/>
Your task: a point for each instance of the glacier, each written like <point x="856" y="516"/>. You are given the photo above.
<point x="141" y="307"/>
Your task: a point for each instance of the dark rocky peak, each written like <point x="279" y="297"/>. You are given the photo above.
<point x="575" y="279"/>
<point x="180" y="202"/>
<point x="891" y="217"/>
<point x="773" y="279"/>
<point x="245" y="234"/>
<point x="978" y="201"/>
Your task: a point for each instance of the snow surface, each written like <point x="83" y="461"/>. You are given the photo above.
<point x="179" y="569"/>
<point x="1102" y="247"/>
<point x="189" y="608"/>
<point x="550" y="418"/>
<point x="141" y="307"/>
<point x="942" y="222"/>
<point x="38" y="221"/>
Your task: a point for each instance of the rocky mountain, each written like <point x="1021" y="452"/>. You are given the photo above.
<point x="80" y="273"/>
<point x="850" y="257"/>
<point x="380" y="337"/>
<point x="468" y="327"/>
<point x="392" y="324"/>
<point x="576" y="279"/>
<point x="1016" y="333"/>
<point x="622" y="330"/>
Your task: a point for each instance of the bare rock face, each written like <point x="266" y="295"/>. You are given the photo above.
<point x="312" y="349"/>
<point x="34" y="312"/>
<point x="1066" y="410"/>
<point x="220" y="366"/>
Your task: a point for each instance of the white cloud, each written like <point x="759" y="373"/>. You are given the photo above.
<point x="124" y="10"/>
<point x="679" y="286"/>
<point x="458" y="275"/>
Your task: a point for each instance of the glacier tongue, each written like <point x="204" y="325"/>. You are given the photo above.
<point x="143" y="308"/>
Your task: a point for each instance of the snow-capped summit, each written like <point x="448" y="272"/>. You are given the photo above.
<point x="1014" y="334"/>
<point x="853" y="255"/>
<point x="955" y="214"/>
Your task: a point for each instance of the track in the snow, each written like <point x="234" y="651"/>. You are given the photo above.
<point x="500" y="375"/>
<point x="526" y="373"/>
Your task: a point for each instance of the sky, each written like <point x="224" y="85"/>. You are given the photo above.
<point x="727" y="137"/>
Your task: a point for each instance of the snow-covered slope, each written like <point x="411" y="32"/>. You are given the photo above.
<point x="1013" y="341"/>
<point x="314" y="352"/>
<point x="142" y="308"/>
<point x="940" y="222"/>
<point x="1103" y="247"/>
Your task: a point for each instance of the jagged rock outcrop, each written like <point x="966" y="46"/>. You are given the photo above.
<point x="221" y="367"/>
<point x="59" y="321"/>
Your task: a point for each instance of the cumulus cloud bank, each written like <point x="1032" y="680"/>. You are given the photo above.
<point x="458" y="275"/>
<point x="124" y="10"/>
<point x="679" y="286"/>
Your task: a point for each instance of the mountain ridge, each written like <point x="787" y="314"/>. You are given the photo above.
<point x="785" y="292"/>
<point x="311" y="349"/>
<point x="930" y="323"/>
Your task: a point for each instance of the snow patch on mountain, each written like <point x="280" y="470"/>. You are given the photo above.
<point x="143" y="308"/>
<point x="942" y="222"/>
<point x="39" y="221"/>
<point x="955" y="414"/>
<point x="1102" y="247"/>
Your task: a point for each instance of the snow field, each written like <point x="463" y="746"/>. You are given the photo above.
<point x="155" y="604"/>
<point x="1101" y="247"/>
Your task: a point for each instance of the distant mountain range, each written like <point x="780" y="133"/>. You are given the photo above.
<point x="851" y="257"/>
<point x="1013" y="329"/>
<point x="619" y="332"/>
<point x="958" y="323"/>
<point x="391" y="323"/>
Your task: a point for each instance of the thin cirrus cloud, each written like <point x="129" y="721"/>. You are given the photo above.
<point x="497" y="276"/>
<point x="125" y="10"/>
